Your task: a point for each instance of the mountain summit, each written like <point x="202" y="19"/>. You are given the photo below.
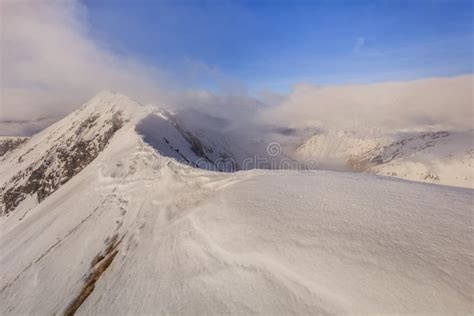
<point x="51" y="158"/>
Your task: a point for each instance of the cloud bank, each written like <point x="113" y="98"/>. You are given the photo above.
<point x="50" y="66"/>
<point x="428" y="103"/>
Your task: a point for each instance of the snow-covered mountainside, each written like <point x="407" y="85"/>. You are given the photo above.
<point x="335" y="148"/>
<point x="8" y="144"/>
<point x="53" y="156"/>
<point x="197" y="147"/>
<point x="127" y="229"/>
<point x="442" y="157"/>
<point x="439" y="157"/>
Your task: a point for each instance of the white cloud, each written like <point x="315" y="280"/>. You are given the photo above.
<point x="437" y="102"/>
<point x="50" y="66"/>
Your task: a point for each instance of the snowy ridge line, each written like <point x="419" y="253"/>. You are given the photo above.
<point x="64" y="149"/>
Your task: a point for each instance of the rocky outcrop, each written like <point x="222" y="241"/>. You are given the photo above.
<point x="71" y="153"/>
<point x="8" y="144"/>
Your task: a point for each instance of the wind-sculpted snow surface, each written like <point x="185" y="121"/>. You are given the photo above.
<point x="137" y="233"/>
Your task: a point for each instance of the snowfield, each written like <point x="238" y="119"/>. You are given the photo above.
<point x="135" y="232"/>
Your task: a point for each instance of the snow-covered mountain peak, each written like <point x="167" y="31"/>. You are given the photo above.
<point x="52" y="157"/>
<point x="106" y="102"/>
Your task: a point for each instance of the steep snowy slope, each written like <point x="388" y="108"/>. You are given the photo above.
<point x="198" y="147"/>
<point x="52" y="157"/>
<point x="135" y="232"/>
<point x="439" y="157"/>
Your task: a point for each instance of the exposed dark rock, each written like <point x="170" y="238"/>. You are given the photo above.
<point x="98" y="266"/>
<point x="62" y="161"/>
<point x="10" y="144"/>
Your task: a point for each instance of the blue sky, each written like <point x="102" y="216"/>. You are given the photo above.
<point x="270" y="45"/>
